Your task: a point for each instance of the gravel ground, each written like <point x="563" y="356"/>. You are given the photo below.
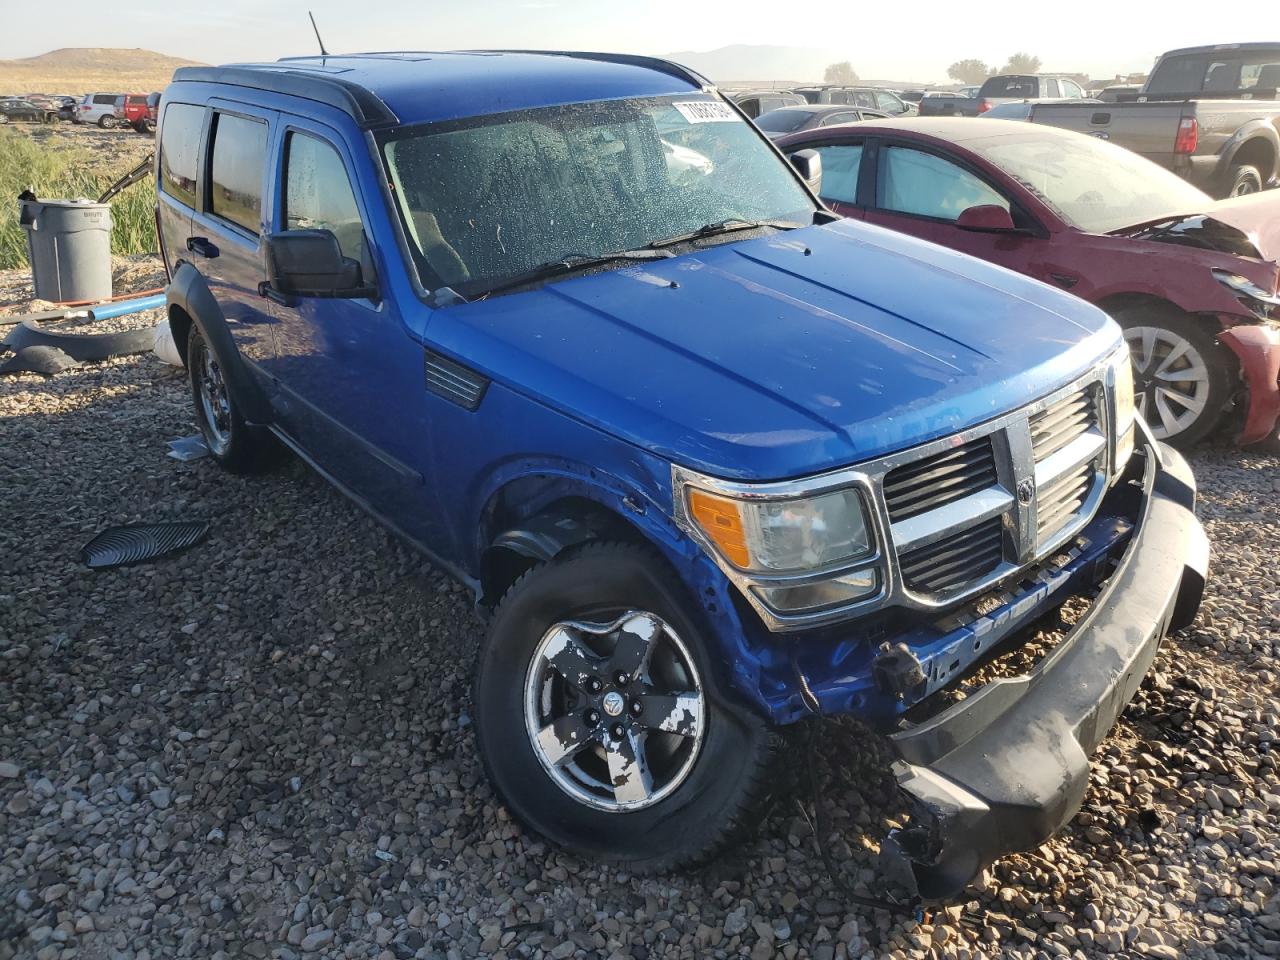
<point x="262" y="747"/>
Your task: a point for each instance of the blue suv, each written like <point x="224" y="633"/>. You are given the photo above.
<point x="712" y="460"/>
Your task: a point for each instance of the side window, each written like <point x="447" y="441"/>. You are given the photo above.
<point x="1051" y="88"/>
<point x="840" y="165"/>
<point x="1071" y="90"/>
<point x="887" y="102"/>
<point x="179" y="148"/>
<point x="318" y="194"/>
<point x="864" y="98"/>
<point x="752" y="106"/>
<point x="832" y="119"/>
<point x="236" y="168"/>
<point x="925" y="185"/>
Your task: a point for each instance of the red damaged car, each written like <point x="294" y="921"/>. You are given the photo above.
<point x="1193" y="281"/>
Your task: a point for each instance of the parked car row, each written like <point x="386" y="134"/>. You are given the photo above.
<point x="1004" y="88"/>
<point x="713" y="458"/>
<point x="15" y="109"/>
<point x="754" y="103"/>
<point x="110" y="110"/>
<point x="106" y="110"/>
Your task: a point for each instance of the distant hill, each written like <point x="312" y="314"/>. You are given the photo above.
<point x="76" y="70"/>
<point x="761" y="63"/>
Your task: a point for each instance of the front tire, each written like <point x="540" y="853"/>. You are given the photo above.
<point x="235" y="445"/>
<point x="599" y="719"/>
<point x="1182" y="382"/>
<point x="107" y="122"/>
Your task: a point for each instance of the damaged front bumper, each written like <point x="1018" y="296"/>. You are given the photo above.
<point x="1004" y="769"/>
<point x="1257" y="349"/>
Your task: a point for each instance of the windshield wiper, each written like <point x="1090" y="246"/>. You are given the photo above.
<point x="569" y="264"/>
<point x="731" y="225"/>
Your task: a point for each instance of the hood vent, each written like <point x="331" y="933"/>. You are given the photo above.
<point x="454" y="382"/>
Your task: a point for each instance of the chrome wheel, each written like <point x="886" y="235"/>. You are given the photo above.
<point x="615" y="711"/>
<point x="1171" y="379"/>
<point x="215" y="404"/>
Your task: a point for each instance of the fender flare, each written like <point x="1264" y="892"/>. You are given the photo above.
<point x="188" y="292"/>
<point x="541" y="533"/>
<point x="1251" y="132"/>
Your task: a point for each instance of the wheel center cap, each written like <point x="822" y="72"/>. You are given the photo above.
<point x="612" y="703"/>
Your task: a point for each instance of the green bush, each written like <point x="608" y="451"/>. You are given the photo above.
<point x="56" y="174"/>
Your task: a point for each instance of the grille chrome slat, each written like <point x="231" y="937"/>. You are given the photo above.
<point x="1059" y="425"/>
<point x="1060" y="501"/>
<point x="960" y="558"/>
<point x="949" y="535"/>
<point x="957" y="516"/>
<point x="912" y="489"/>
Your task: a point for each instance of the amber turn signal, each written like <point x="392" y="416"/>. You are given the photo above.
<point x="721" y="520"/>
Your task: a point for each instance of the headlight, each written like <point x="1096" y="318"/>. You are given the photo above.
<point x="1122" y="390"/>
<point x="1261" y="303"/>
<point x="783" y="536"/>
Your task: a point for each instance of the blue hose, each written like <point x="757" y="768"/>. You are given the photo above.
<point x="121" y="307"/>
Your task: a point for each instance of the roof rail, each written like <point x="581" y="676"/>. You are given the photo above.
<point x="669" y="67"/>
<point x="362" y="105"/>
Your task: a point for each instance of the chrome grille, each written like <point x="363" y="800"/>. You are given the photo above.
<point x="957" y="560"/>
<point x="943" y="478"/>
<point x="1065" y="421"/>
<point x="1061" y="500"/>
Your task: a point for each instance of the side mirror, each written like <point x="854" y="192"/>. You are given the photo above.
<point x="808" y="164"/>
<point x="986" y="218"/>
<point x="309" y="263"/>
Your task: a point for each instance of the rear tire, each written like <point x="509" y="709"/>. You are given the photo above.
<point x="1244" y="179"/>
<point x="235" y="445"/>
<point x="1182" y="379"/>
<point x="702" y="771"/>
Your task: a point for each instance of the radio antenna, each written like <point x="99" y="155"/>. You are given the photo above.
<point x="323" y="51"/>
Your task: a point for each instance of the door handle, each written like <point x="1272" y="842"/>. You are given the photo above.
<point x="202" y="247"/>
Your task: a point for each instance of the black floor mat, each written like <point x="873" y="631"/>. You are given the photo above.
<point x="140" y="542"/>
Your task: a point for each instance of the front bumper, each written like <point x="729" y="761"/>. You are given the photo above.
<point x="1257" y="348"/>
<point x="1005" y="769"/>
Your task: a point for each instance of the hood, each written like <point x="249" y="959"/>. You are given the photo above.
<point x="1242" y="226"/>
<point x="785" y="355"/>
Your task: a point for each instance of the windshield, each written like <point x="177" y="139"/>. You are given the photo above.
<point x="490" y="198"/>
<point x="783" y="121"/>
<point x="1095" y="186"/>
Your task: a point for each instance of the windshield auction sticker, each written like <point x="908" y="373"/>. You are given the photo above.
<point x="706" y="111"/>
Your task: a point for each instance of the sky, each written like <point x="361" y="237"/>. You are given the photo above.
<point x="882" y="39"/>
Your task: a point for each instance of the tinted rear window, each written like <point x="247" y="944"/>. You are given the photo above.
<point x="1009" y="87"/>
<point x="783" y="121"/>
<point x="179" y="148"/>
<point x="1226" y="71"/>
<point x="236" y="170"/>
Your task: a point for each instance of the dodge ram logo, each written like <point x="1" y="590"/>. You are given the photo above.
<point x="1026" y="491"/>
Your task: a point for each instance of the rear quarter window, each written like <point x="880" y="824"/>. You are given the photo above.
<point x="237" y="165"/>
<point x="179" y="149"/>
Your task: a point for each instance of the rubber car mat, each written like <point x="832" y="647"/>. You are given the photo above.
<point x="38" y="359"/>
<point x="139" y="542"/>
